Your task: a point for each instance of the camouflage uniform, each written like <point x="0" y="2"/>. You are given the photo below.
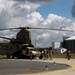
<point x="50" y="54"/>
<point x="68" y="55"/>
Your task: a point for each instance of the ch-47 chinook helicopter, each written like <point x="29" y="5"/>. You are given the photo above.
<point x="21" y="46"/>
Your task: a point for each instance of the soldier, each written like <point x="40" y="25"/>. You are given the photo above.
<point x="31" y="55"/>
<point x="68" y="55"/>
<point x="50" y="54"/>
<point x="45" y="54"/>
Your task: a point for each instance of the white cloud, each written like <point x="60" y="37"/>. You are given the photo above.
<point x="45" y="37"/>
<point x="16" y="14"/>
<point x="34" y="18"/>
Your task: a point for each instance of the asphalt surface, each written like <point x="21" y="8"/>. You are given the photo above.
<point x="68" y="71"/>
<point x="22" y="66"/>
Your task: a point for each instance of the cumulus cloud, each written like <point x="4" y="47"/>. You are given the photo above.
<point x="73" y="9"/>
<point x="14" y="13"/>
<point x="48" y="36"/>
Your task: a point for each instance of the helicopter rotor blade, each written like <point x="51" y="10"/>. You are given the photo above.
<point x="5" y="38"/>
<point x="51" y="29"/>
<point x="36" y="28"/>
<point x="15" y="28"/>
<point x="9" y="29"/>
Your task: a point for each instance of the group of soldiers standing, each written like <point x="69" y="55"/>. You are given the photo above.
<point x="47" y="54"/>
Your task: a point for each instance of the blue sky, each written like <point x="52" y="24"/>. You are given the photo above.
<point x="54" y="14"/>
<point x="61" y="8"/>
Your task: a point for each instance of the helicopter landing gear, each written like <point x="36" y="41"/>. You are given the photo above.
<point x="41" y="56"/>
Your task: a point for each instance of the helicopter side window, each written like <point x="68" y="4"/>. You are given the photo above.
<point x="6" y="47"/>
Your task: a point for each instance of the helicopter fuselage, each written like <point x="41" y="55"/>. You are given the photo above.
<point x="18" y="50"/>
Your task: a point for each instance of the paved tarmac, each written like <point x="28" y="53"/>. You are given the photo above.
<point x="43" y="70"/>
<point x="19" y="66"/>
<point x="68" y="71"/>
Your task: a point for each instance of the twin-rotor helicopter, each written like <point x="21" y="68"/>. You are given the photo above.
<point x="21" y="46"/>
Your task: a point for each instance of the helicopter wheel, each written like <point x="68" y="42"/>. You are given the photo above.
<point x="41" y="56"/>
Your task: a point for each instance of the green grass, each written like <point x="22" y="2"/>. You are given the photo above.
<point x="3" y="56"/>
<point x="62" y="55"/>
<point x="59" y="55"/>
<point x="72" y="55"/>
<point x="53" y="55"/>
